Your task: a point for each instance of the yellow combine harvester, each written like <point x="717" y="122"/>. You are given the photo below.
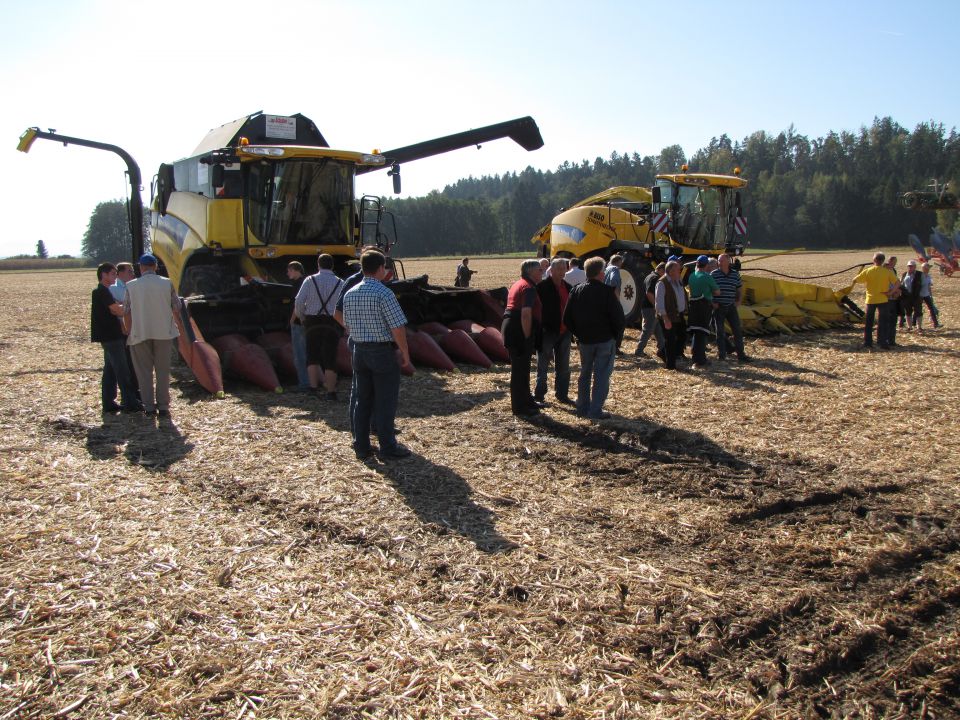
<point x="685" y="215"/>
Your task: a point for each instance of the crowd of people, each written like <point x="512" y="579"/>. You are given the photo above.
<point x="556" y="301"/>
<point x="895" y="301"/>
<point x="553" y="303"/>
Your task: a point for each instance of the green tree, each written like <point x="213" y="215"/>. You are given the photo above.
<point x="108" y="233"/>
<point x="42" y="250"/>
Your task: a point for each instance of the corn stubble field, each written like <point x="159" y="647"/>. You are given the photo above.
<point x="777" y="540"/>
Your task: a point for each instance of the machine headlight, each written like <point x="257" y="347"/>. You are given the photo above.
<point x="368" y="159"/>
<point x="268" y="151"/>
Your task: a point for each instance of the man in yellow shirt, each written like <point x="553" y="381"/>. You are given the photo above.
<point x="880" y="282"/>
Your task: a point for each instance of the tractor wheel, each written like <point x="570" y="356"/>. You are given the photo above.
<point x="910" y="201"/>
<point x="634" y="270"/>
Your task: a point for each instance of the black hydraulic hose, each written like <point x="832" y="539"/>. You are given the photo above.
<point x="807" y="277"/>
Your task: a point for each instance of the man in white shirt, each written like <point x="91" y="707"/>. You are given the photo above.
<point x="575" y="275"/>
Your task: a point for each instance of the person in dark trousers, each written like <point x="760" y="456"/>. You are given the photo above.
<point x="315" y="305"/>
<point x="555" y="338"/>
<point x="521" y="328"/>
<point x="671" y="303"/>
<point x="595" y="317"/>
<point x="727" y="307"/>
<point x="377" y="326"/>
<point x="879" y="281"/>
<point x="464" y="273"/>
<point x="910" y="303"/>
<point x="106" y="329"/>
<point x="298" y="337"/>
<point x="648" y="312"/>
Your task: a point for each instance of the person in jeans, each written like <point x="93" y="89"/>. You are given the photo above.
<point x="648" y="312"/>
<point x="926" y="296"/>
<point x="377" y="325"/>
<point x="105" y="328"/>
<point x="728" y="302"/>
<point x="555" y="338"/>
<point x="595" y="317"/>
<point x="878" y="280"/>
<point x="298" y="338"/>
<point x="910" y="303"/>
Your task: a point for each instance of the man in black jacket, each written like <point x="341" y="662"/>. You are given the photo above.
<point x="595" y="317"/>
<point x="555" y="337"/>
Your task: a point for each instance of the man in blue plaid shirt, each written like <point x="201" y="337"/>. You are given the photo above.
<point x="377" y="325"/>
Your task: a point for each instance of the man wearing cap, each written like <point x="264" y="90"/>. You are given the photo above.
<point x="148" y="307"/>
<point x="703" y="290"/>
<point x="726" y="311"/>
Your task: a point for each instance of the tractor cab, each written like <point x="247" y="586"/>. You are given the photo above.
<point x="705" y="211"/>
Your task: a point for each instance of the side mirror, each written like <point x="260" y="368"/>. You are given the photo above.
<point x="165" y="186"/>
<point x="394" y="172"/>
<point x="656" y="194"/>
<point x="216" y="176"/>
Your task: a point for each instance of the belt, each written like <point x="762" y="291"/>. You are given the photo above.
<point x="373" y="344"/>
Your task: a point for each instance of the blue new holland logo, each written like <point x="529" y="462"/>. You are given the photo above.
<point x="567" y="233"/>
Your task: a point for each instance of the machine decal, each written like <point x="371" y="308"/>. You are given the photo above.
<point x="174" y="227"/>
<point x="659" y="222"/>
<point x="282" y="127"/>
<point x="568" y="233"/>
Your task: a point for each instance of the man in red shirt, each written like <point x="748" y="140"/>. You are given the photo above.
<point x="521" y="327"/>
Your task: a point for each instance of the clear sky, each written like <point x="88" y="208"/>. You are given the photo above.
<point x="598" y="77"/>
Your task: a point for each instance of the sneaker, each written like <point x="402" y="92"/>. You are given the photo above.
<point x="566" y="400"/>
<point x="111" y="408"/>
<point x="398" y="452"/>
<point x="745" y="358"/>
<point x="364" y="454"/>
<point x="527" y="412"/>
<point x="600" y="416"/>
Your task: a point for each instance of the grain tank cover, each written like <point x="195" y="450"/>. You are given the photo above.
<point x="262" y="129"/>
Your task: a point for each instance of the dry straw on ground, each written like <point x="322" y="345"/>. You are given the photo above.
<point x="772" y="540"/>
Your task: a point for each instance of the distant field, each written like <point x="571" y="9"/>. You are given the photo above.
<point x="38" y="264"/>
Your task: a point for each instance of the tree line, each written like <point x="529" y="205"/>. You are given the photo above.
<point x="837" y="191"/>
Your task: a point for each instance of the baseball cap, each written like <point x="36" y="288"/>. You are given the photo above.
<point x="148" y="259"/>
<point x="675" y="258"/>
<point x="703" y="260"/>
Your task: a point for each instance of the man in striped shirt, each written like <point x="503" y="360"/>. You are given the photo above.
<point x="727" y="308"/>
<point x="377" y="325"/>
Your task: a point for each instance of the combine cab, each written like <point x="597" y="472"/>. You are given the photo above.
<point x="262" y="191"/>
